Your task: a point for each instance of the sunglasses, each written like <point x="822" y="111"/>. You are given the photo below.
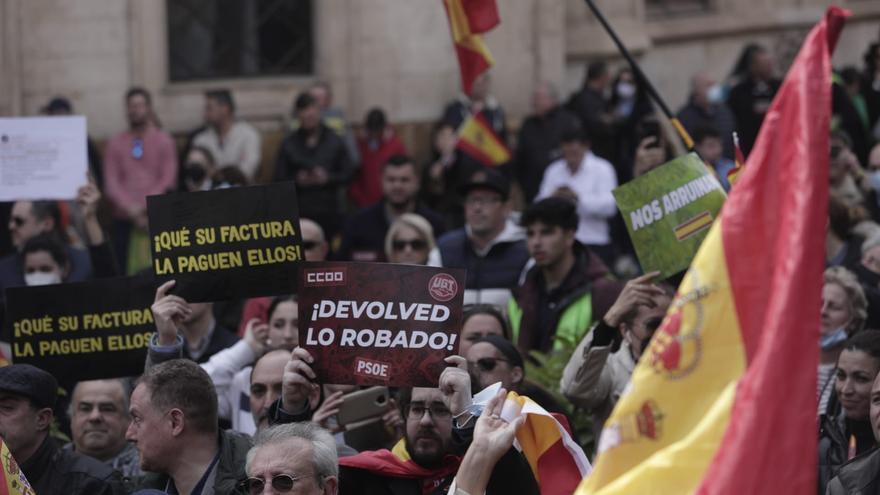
<point x="280" y="482"/>
<point x="487" y="364"/>
<point x="137" y="149"/>
<point x="415" y="245"/>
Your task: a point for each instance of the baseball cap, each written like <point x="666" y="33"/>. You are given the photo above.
<point x="31" y="382"/>
<point x="487" y="178"/>
<point x="59" y="104"/>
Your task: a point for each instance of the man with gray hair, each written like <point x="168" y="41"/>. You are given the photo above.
<point x="294" y="454"/>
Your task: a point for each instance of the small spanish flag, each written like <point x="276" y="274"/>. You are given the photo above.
<point x="739" y="160"/>
<point x="14" y="481"/>
<point x="478" y="140"/>
<point x="467" y="20"/>
<point x="723" y="401"/>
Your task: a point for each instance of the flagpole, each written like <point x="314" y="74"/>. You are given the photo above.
<point x="682" y="132"/>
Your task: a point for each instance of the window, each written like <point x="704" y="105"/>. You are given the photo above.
<point x="670" y="8"/>
<point x="218" y="39"/>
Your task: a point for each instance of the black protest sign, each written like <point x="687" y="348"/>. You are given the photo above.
<point x="378" y="323"/>
<point x="84" y="330"/>
<point x="228" y="243"/>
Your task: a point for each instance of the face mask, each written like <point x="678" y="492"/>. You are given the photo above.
<point x="626" y="90"/>
<point x="875" y="180"/>
<point x="715" y="94"/>
<point x="42" y="278"/>
<point x="832" y="340"/>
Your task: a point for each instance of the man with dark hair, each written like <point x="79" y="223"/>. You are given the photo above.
<point x="174" y="426"/>
<point x="586" y="180"/>
<point x="98" y="422"/>
<point x="138" y="162"/>
<point x="707" y="142"/>
<point x="490" y="246"/>
<point x="334" y="118"/>
<point x="601" y="366"/>
<point x="591" y="107"/>
<point x="566" y="290"/>
<point x="316" y="158"/>
<point x="750" y="99"/>
<point x="232" y="142"/>
<point x="706" y="109"/>
<point x="376" y="144"/>
<point x="27" y="396"/>
<point x="363" y="238"/>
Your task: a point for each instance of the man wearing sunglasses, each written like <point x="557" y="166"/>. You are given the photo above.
<point x="363" y="238"/>
<point x="295" y="458"/>
<point x="601" y="366"/>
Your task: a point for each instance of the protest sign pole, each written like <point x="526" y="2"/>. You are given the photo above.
<point x="688" y="142"/>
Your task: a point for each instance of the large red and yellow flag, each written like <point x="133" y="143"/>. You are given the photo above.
<point x="467" y="20"/>
<point x="14" y="481"/>
<point x="477" y="139"/>
<point x="724" y="399"/>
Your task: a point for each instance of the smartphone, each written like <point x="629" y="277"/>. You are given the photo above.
<point x="364" y="404"/>
<point x="650" y="128"/>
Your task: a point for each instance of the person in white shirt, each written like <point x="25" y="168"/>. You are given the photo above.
<point x="233" y="142"/>
<point x="588" y="180"/>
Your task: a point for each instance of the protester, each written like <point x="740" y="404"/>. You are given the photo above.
<point x="871" y="87"/>
<point x="707" y="143"/>
<point x="230" y="369"/>
<point x="334" y="118"/>
<point x="842" y="245"/>
<point x="628" y="105"/>
<point x="363" y="238"/>
<point x="478" y="321"/>
<point x="750" y="99"/>
<point x="490" y="246"/>
<point x="27" y="396"/>
<point x="232" y="141"/>
<point x="591" y="106"/>
<point x="494" y="359"/>
<point x="861" y="474"/>
<point x="191" y="325"/>
<point x="60" y="106"/>
<point x="198" y="169"/>
<point x="600" y="368"/>
<point x="846" y="431"/>
<point x="705" y="109"/>
<point x="315" y="157"/>
<point x="448" y="170"/>
<point x="843" y="316"/>
<point x="844" y="172"/>
<point x="566" y="290"/>
<point x="478" y="102"/>
<point x="297" y="456"/>
<point x="98" y="422"/>
<point x="174" y="427"/>
<point x="138" y="162"/>
<point x="586" y="180"/>
<point x="538" y="144"/>
<point x="376" y="145"/>
<point x="409" y="240"/>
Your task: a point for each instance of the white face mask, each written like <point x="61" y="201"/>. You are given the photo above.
<point x="626" y="90"/>
<point x="42" y="278"/>
<point x="715" y="94"/>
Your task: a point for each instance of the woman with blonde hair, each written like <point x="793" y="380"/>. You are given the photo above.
<point x="409" y="240"/>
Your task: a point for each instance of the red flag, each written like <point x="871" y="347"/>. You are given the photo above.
<point x="482" y="15"/>
<point x="467" y="20"/>
<point x="774" y="222"/>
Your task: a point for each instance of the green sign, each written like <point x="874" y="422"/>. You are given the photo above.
<point x="668" y="212"/>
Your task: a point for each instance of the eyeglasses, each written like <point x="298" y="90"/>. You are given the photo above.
<point x="417" y="410"/>
<point x="137" y="149"/>
<point x="309" y="245"/>
<point x="415" y="245"/>
<point x="280" y="482"/>
<point x="487" y="364"/>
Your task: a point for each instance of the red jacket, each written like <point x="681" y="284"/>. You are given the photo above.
<point x="366" y="189"/>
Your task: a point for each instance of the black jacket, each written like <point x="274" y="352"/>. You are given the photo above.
<point x="749" y="102"/>
<point x="52" y="470"/>
<point x="860" y="476"/>
<point x="538" y="146"/>
<point x="363" y="238"/>
<point x="834" y="443"/>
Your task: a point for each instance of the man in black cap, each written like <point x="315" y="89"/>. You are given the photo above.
<point x="490" y="246"/>
<point x="27" y="395"/>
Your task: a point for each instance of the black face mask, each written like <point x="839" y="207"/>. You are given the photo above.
<point x="194" y="172"/>
<point x="867" y="277"/>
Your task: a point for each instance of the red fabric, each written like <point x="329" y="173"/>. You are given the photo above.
<point x="257" y="307"/>
<point x="367" y="186"/>
<point x="482" y="15"/>
<point x="471" y="64"/>
<point x="773" y="231"/>
<point x="386" y="463"/>
<point x="557" y="472"/>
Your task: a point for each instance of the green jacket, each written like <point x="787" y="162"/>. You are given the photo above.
<point x="574" y="321"/>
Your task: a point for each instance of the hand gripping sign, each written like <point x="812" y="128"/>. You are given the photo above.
<point x="378" y="323"/>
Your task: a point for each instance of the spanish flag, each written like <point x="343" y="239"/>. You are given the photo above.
<point x="477" y="139"/>
<point x="14" y="481"/>
<point x="733" y="174"/>
<point x="557" y="461"/>
<point x="724" y="399"/>
<point x="467" y="20"/>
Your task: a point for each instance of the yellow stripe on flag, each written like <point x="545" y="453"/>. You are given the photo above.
<point x="461" y="31"/>
<point x="693" y="225"/>
<point x="656" y="441"/>
<point x="481" y="140"/>
<point x="14" y="481"/>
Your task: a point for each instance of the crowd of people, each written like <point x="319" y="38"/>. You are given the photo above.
<point x="228" y="401"/>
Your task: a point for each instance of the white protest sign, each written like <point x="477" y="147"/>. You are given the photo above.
<point x="42" y="157"/>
